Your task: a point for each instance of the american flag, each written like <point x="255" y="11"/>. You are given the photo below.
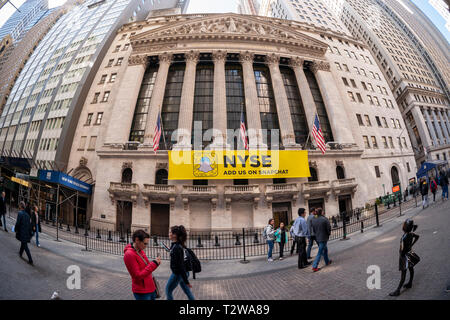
<point x="243" y="132"/>
<point x="318" y="136"/>
<point x="157" y="134"/>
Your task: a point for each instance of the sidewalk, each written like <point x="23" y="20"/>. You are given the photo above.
<point x="222" y="269"/>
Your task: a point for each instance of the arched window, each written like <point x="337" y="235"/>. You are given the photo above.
<point x="127" y="175"/>
<point x="314" y="176"/>
<point x="340" y="173"/>
<point x="395" y="177"/>
<point x="161" y="176"/>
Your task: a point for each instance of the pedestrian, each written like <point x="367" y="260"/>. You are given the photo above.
<point x="294" y="244"/>
<point x="269" y="236"/>
<point x="311" y="238"/>
<point x="23" y="231"/>
<point x="281" y="236"/>
<point x="301" y="233"/>
<point x="140" y="268"/>
<point x="3" y="210"/>
<point x="433" y="188"/>
<point x="322" y="230"/>
<point x="179" y="276"/>
<point x="407" y="258"/>
<point x="444" y="184"/>
<point x="333" y="218"/>
<point x="424" y="192"/>
<point x="36" y="224"/>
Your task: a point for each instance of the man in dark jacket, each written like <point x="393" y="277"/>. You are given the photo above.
<point x="322" y="230"/>
<point x="424" y="192"/>
<point x="444" y="184"/>
<point x="23" y="231"/>
<point x="3" y="210"/>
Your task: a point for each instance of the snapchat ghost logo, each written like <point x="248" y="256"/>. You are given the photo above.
<point x="205" y="164"/>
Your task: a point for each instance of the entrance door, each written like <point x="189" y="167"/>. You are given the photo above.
<point x="160" y="214"/>
<point x="316" y="203"/>
<point x="124" y="214"/>
<point x="281" y="213"/>
<point x="345" y="205"/>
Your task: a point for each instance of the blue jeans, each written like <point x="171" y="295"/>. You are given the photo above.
<point x="270" y="243"/>
<point x="145" y="296"/>
<point x="4" y="221"/>
<point x="173" y="282"/>
<point x="37" y="235"/>
<point x="323" y="251"/>
<point x="310" y="244"/>
<point x="445" y="192"/>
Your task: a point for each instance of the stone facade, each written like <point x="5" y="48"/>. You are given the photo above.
<point x="128" y="190"/>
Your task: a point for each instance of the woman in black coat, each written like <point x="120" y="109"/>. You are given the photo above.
<point x="407" y="241"/>
<point x="36" y="223"/>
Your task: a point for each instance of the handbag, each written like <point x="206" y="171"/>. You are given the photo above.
<point x="157" y="289"/>
<point x="413" y="258"/>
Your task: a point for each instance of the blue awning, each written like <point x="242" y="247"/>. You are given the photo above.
<point x="65" y="180"/>
<point x="430" y="165"/>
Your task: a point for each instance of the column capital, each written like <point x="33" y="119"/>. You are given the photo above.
<point x="192" y="56"/>
<point x="138" y="60"/>
<point x="246" y="56"/>
<point x="320" y="65"/>
<point x="219" y="56"/>
<point x="297" y="62"/>
<point x="273" y="59"/>
<point x="165" y="57"/>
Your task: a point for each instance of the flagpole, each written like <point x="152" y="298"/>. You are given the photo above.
<point x="309" y="133"/>
<point x="162" y="129"/>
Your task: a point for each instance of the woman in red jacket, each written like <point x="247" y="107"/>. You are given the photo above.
<point x="140" y="268"/>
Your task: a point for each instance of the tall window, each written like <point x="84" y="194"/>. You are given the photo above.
<point x="295" y="105"/>
<point x="267" y="106"/>
<point x="235" y="103"/>
<point x="203" y="100"/>
<point x="142" y="105"/>
<point x="320" y="106"/>
<point x="171" y="103"/>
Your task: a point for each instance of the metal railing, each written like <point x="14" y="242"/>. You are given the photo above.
<point x="226" y="244"/>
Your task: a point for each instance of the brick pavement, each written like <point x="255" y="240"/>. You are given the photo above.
<point x="344" y="279"/>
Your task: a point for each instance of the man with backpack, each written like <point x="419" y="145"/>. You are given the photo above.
<point x="433" y="188"/>
<point x="269" y="236"/>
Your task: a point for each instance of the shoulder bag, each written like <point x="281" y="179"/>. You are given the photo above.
<point x="158" y="290"/>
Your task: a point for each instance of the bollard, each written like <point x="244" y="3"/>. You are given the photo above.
<point x="85" y="232"/>
<point x="121" y="237"/>
<point x="76" y="230"/>
<point x="344" y="226"/>
<point x="68" y="228"/>
<point x="216" y="244"/>
<point x="238" y="242"/>
<point x="98" y="234"/>
<point x="362" y="226"/>
<point x="53" y="222"/>
<point x="60" y="225"/>
<point x="243" y="240"/>
<point x="255" y="240"/>
<point x="155" y="241"/>
<point x="376" y="215"/>
<point x="128" y="235"/>
<point x="199" y="242"/>
<point x="395" y="204"/>
<point x="109" y="236"/>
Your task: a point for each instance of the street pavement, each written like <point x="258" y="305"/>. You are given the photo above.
<point x="104" y="277"/>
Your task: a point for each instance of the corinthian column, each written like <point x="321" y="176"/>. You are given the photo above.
<point x="251" y="101"/>
<point x="334" y="104"/>
<point x="436" y="124"/>
<point x="187" y="101"/>
<point x="305" y="92"/>
<point x="421" y="124"/>
<point x="157" y="97"/>
<point x="118" y="131"/>
<point x="430" y="127"/>
<point x="281" y="100"/>
<point x="220" y="100"/>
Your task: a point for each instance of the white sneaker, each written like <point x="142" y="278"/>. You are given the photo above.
<point x="270" y="259"/>
<point x="281" y="258"/>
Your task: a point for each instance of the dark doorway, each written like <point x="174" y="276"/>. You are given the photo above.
<point x="161" y="176"/>
<point x="160" y="216"/>
<point x="345" y="205"/>
<point x="127" y="175"/>
<point x="79" y="218"/>
<point x="314" y="176"/>
<point x="281" y="213"/>
<point x="395" y="177"/>
<point x="124" y="216"/>
<point x="340" y="173"/>
<point x="316" y="203"/>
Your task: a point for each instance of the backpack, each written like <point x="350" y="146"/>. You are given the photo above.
<point x="264" y="234"/>
<point x="191" y="262"/>
<point x="433" y="186"/>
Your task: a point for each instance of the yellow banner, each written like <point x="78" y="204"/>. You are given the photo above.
<point x="21" y="181"/>
<point x="238" y="164"/>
